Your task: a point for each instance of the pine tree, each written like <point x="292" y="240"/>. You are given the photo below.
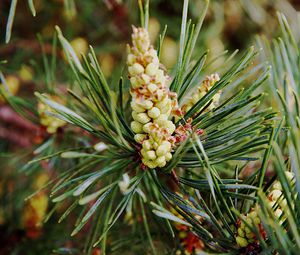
<point x="166" y="154"/>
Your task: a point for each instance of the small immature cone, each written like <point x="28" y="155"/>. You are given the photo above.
<point x="244" y="234"/>
<point x="151" y="103"/>
<point x="201" y="91"/>
<point x="277" y="201"/>
<point x="51" y="123"/>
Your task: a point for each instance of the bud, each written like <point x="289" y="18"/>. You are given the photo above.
<point x="289" y="176"/>
<point x="147" y="145"/>
<point x="242" y="242"/>
<point x="170" y="126"/>
<point x="137" y="108"/>
<point x="168" y="156"/>
<point x="152" y="88"/>
<point x="275" y="194"/>
<point x="130" y="59"/>
<point x="160" y="77"/>
<point x="161" y="161"/>
<point x="154" y="113"/>
<point x="149" y="163"/>
<point x="145" y="78"/>
<point x="147" y="127"/>
<point x="147" y="104"/>
<point x="134" y="82"/>
<point x="142" y="118"/>
<point x="151" y="69"/>
<point x="151" y="155"/>
<point x="135" y="69"/>
<point x="139" y="138"/>
<point x="163" y="149"/>
<point x="136" y="126"/>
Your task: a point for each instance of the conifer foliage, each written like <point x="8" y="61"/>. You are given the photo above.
<point x="166" y="153"/>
